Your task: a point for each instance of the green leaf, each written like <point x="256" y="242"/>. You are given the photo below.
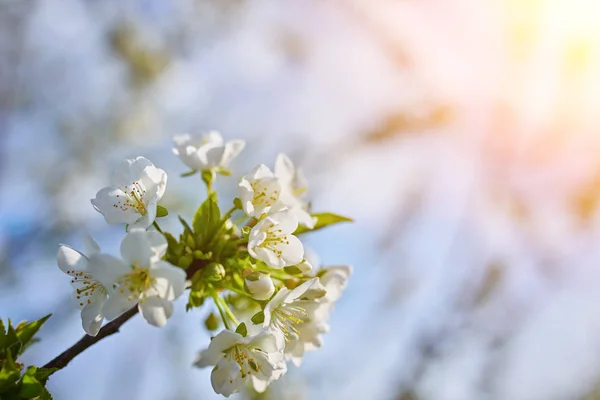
<point x="207" y="219"/>
<point x="45" y="395"/>
<point x="186" y="226"/>
<point x="42" y="374"/>
<point x="258" y="318"/>
<point x="242" y="330"/>
<point x="161" y="212"/>
<point x="30" y="386"/>
<point x="26" y="332"/>
<point x="10" y="343"/>
<point x="323" y="220"/>
<point x="189" y="173"/>
<point x="9" y="374"/>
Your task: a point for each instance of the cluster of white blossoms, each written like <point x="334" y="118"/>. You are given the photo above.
<point x="254" y="266"/>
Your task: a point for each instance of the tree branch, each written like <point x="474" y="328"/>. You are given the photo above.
<point x="109" y="329"/>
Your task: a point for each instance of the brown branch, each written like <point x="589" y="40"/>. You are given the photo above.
<point x="109" y="329"/>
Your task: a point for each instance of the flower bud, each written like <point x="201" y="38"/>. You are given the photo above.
<point x="304" y="266"/>
<point x="259" y="286"/>
<point x="212" y="322"/>
<point x="214" y="272"/>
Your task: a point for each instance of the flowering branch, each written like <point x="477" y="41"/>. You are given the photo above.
<point x="64" y="358"/>
<point x="256" y="264"/>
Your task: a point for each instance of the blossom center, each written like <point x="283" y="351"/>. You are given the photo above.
<point x="135" y="198"/>
<point x="136" y="282"/>
<point x="286" y="317"/>
<point x="240" y="355"/>
<point x="87" y="286"/>
<point x="263" y="194"/>
<point x="274" y="239"/>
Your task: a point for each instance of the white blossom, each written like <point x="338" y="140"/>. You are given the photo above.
<point x="206" y="150"/>
<point x="237" y="360"/>
<point x="137" y="187"/>
<point x="141" y="277"/>
<point x="332" y="282"/>
<point x="294" y="315"/>
<point x="259" y="191"/>
<point x="90" y="294"/>
<point x="294" y="186"/>
<point x="260" y="286"/>
<point x="271" y="241"/>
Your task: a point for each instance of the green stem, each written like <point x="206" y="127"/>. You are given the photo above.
<point x="157" y="227"/>
<point x="216" y="299"/>
<point x="228" y="311"/>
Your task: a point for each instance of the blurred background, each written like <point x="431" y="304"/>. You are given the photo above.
<point x="463" y="137"/>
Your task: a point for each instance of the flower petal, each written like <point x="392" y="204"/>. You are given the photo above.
<point x="118" y="303"/>
<point x="292" y="252"/>
<point x="284" y="168"/>
<point x="70" y="260"/>
<point x="111" y="203"/>
<point x="92" y="316"/>
<point x="286" y="222"/>
<point x="226" y="378"/>
<point x="129" y="171"/>
<point x="107" y="269"/>
<point x="169" y="280"/>
<point x="156" y="310"/>
<point x="90" y="246"/>
<point x="141" y="248"/>
<point x="232" y="149"/>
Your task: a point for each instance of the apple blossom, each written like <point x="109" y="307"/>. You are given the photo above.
<point x="238" y="359"/>
<point x="137" y="187"/>
<point x="271" y="241"/>
<point x="294" y="186"/>
<point x="259" y="191"/>
<point x="90" y="294"/>
<point x="204" y="151"/>
<point x="141" y="277"/>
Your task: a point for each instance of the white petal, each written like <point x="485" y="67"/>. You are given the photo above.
<point x="118" y="303"/>
<point x="269" y="257"/>
<point x="232" y="150"/>
<point x="107" y="269"/>
<point x="89" y="245"/>
<point x="110" y="202"/>
<point x="144" y="221"/>
<point x="286" y="222"/>
<point x="212" y="137"/>
<point x="304" y="218"/>
<point x="266" y="341"/>
<point x="155" y="182"/>
<point x="92" y="316"/>
<point x="70" y="260"/>
<point x="260" y="385"/>
<point x="140" y="247"/>
<point x="292" y="252"/>
<point x="156" y="310"/>
<point x="170" y="280"/>
<point x="212" y="156"/>
<point x="225" y="340"/>
<point x="181" y="139"/>
<point x="225" y="378"/>
<point x="284" y="168"/>
<point x="129" y="171"/>
<point x="300" y="290"/>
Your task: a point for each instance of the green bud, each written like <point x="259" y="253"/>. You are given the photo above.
<point x="208" y="176"/>
<point x="185" y="261"/>
<point x="189" y="240"/>
<point x="196" y="300"/>
<point x="212" y="322"/>
<point x="198" y="254"/>
<point x="246" y="231"/>
<point x="237" y="203"/>
<point x="214" y="272"/>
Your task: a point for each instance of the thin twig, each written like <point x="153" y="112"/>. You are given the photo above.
<point x="109" y="329"/>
